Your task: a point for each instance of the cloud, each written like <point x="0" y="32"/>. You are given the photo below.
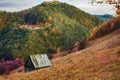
<point x="6" y="5"/>
<point x="17" y="5"/>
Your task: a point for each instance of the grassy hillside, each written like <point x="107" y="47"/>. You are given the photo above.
<point x="97" y="62"/>
<point x="63" y="26"/>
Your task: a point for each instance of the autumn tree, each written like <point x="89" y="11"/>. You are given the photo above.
<point x="115" y="3"/>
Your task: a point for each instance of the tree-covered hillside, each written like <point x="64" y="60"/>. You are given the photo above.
<point x="63" y="26"/>
<point x="49" y="13"/>
<point x="53" y="12"/>
<point x="106" y="27"/>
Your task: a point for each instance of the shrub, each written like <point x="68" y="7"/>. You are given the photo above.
<point x="6" y="67"/>
<point x="2" y="68"/>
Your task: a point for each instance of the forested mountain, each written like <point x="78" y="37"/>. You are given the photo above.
<point x="105" y="17"/>
<point x="49" y="13"/>
<point x="63" y="26"/>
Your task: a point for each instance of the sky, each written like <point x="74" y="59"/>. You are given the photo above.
<point x="85" y="5"/>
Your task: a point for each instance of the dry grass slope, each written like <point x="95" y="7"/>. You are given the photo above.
<point x="100" y="61"/>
